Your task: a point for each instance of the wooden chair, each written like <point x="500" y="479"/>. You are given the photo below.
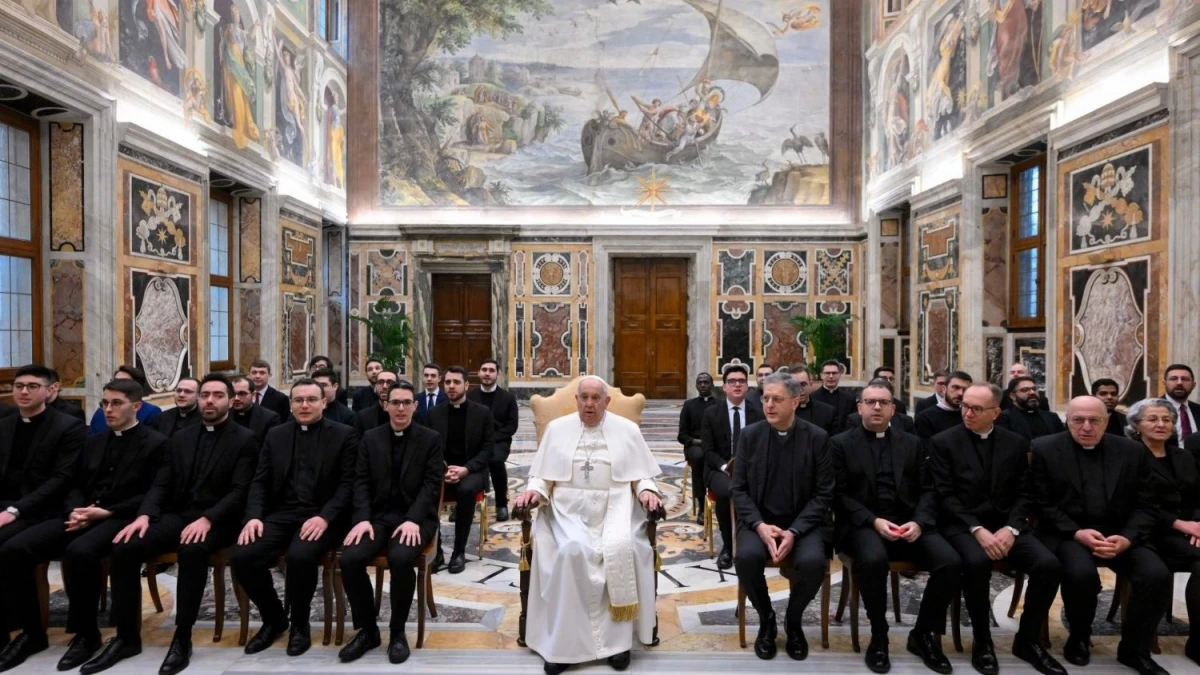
<point x="218" y="562"/>
<point x="1001" y="567"/>
<point x="710" y="505"/>
<point x="327" y="563"/>
<point x="1121" y="594"/>
<point x="41" y="577"/>
<point x="850" y="592"/>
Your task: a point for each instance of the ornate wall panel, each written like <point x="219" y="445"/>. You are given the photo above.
<point x="993" y="359"/>
<point x="1031" y="351"/>
<point x="937" y="331"/>
<point x="250" y="240"/>
<point x="935" y="317"/>
<point x="550" y="333"/>
<point x="68" y="328"/>
<point x="995" y="265"/>
<point x="249" y="327"/>
<point x="889" y="284"/>
<point x="354" y="308"/>
<point x="160" y="313"/>
<point x="937" y="245"/>
<point x="299" y="274"/>
<point x="335" y="295"/>
<point x="1112" y="200"/>
<point x="299" y="339"/>
<point x="299" y="253"/>
<point x="66" y="187"/>
<point x="783" y="344"/>
<point x="378" y="271"/>
<point x="550" y="339"/>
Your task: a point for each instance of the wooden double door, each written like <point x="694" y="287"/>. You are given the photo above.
<point x="650" y="317"/>
<point x="462" y="320"/>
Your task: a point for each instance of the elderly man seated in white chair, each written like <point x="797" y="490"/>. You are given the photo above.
<point x="592" y="573"/>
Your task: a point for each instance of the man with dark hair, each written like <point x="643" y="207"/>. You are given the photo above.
<point x="940" y="380"/>
<point x="813" y="412"/>
<point x="39" y="448"/>
<point x="335" y="410"/>
<point x="248" y="414"/>
<point x="195" y="509"/>
<point x="691" y="422"/>
<point x="114" y="473"/>
<point x="264" y="394"/>
<point x="899" y="422"/>
<point x="985" y="507"/>
<point x="185" y="413"/>
<point x="1109" y="393"/>
<point x="376" y="415"/>
<point x="754" y="394"/>
<point x="505" y="414"/>
<point x="946" y="414"/>
<point x="147" y="414"/>
<point x="830" y="394"/>
<point x="884" y="509"/>
<point x="298" y="507"/>
<point x="397" y="482"/>
<point x="62" y="405"/>
<point x="432" y="395"/>
<point x="365" y="397"/>
<point x="1026" y="416"/>
<point x="321" y="362"/>
<point x="1180" y="381"/>
<point x="468" y="432"/>
<point x="720" y="430"/>
<point x="889" y="373"/>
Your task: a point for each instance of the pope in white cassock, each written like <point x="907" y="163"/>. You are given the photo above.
<point x="592" y="574"/>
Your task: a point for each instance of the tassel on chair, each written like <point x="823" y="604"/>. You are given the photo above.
<point x="523" y="565"/>
<point x="657" y="561"/>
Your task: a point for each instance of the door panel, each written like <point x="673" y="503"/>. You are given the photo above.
<point x="650" y="345"/>
<point x="462" y="320"/>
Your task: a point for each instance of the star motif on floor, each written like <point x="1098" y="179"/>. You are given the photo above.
<point x="653" y="189"/>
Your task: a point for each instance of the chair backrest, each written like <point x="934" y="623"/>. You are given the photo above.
<point x="562" y="403"/>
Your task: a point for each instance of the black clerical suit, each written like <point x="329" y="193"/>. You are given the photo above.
<point x="397" y="479"/>
<point x="720" y="432"/>
<point x="207" y="473"/>
<point x="1116" y="424"/>
<point x="364" y="397"/>
<point x="257" y="419"/>
<point x="843" y="402"/>
<point x="983" y="481"/>
<point x="277" y="402"/>
<point x="899" y="423"/>
<point x="822" y="415"/>
<point x="115" y="470"/>
<point x="369" y="418"/>
<point x="338" y="412"/>
<point x="924" y="403"/>
<point x="468" y="440"/>
<point x="783" y="479"/>
<point x="175" y="419"/>
<point x="38" y="457"/>
<point x="506" y="417"/>
<point x="691" y="421"/>
<point x="303" y="471"/>
<point x="1108" y="489"/>
<point x="1030" y="423"/>
<point x="934" y="420"/>
<point x="67" y="407"/>
<point x="883" y="476"/>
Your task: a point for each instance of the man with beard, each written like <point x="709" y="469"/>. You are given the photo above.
<point x="397" y="480"/>
<point x="195" y="509"/>
<point x="248" y="414"/>
<point x="981" y="474"/>
<point x="1180" y="382"/>
<point x="297" y="508"/>
<point x="754" y="394"/>
<point x="940" y="378"/>
<point x="691" y="420"/>
<point x="365" y="397"/>
<point x="946" y="414"/>
<point x="1109" y="393"/>
<point x="468" y="433"/>
<point x="505" y="415"/>
<point x="115" y="472"/>
<point x="335" y="410"/>
<point x="1018" y="369"/>
<point x="376" y="415"/>
<point x="184" y="414"/>
<point x="813" y="412"/>
<point x="721" y="430"/>
<point x="1026" y="416"/>
<point x="830" y="393"/>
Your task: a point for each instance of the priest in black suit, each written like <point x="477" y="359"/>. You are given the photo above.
<point x="115" y="471"/>
<point x="397" y="483"/>
<point x="185" y="413"/>
<point x="885" y="509"/>
<point x="814" y="412"/>
<point x="506" y="416"/>
<point x="468" y="435"/>
<point x="782" y="489"/>
<point x="298" y="507"/>
<point x="1026" y="416"/>
<point x="940" y="379"/>
<point x="365" y="397"/>
<point x="1180" y="381"/>
<point x="1096" y="504"/>
<point x="754" y="394"/>
<point x="194" y="508"/>
<point x="831" y="394"/>
<point x="248" y="414"/>
<point x="63" y="405"/>
<point x="1109" y="393"/>
<point x="377" y="414"/>
<point x="946" y="414"/>
<point x="335" y="410"/>
<point x="691" y="421"/>
<point x="264" y="394"/>
<point x="985" y="506"/>
<point x="719" y="432"/>
<point x="888" y="374"/>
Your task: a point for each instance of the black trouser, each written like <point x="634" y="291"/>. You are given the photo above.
<point x="281" y="537"/>
<point x="1180" y="556"/>
<point x="8" y="532"/>
<point x="357" y="557"/>
<point x="1145" y="571"/>
<point x="871" y="554"/>
<point x="499" y="472"/>
<point x="81" y="551"/>
<point x="808" y="558"/>
<point x="1029" y="555"/>
<point x="722" y="485"/>
<point x="163" y="537"/>
<point x="463" y="493"/>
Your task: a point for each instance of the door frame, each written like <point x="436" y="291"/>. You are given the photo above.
<point x="422" y="299"/>
<point x="698" y="252"/>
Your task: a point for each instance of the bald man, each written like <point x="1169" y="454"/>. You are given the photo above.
<point x="1095" y="508"/>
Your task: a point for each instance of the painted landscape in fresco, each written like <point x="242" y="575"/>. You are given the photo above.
<point x="605" y="102"/>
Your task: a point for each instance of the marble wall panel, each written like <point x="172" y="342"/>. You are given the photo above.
<point x="387" y="272"/>
<point x="543" y="344"/>
<point x="551" y="273"/>
<point x="735" y="333"/>
<point x="68" y="332"/>
<point x="937" y="332"/>
<point x="249" y="327"/>
<point x="782" y="343"/>
<point x="66" y="188"/>
<point x="906" y="363"/>
<point x="550" y="339"/>
<point x="993" y="359"/>
<point x="354" y="332"/>
<point x="995" y="186"/>
<point x="299" y="257"/>
<point x="889" y="284"/>
<point x="834" y="271"/>
<point x="250" y="240"/>
<point x="785" y="272"/>
<point x="1031" y="350"/>
<point x="1109" y="306"/>
<point x="299" y="340"/>
<point x="995" y="266"/>
<point x="937" y="245"/>
<point x="161" y="307"/>
<point x="1112" y="200"/>
<point x="159" y="219"/>
<point x="736" y="271"/>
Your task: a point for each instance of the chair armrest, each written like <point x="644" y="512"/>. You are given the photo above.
<point x="523" y="514"/>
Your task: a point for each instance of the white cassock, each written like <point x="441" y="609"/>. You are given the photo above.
<point x="592" y="574"/>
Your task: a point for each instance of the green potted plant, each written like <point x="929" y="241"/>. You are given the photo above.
<point x="826" y="336"/>
<point x="391" y="330"/>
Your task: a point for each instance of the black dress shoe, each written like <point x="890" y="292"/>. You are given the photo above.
<point x="458" y="563"/>
<point x="928" y="646"/>
<point x="619" y="661"/>
<point x="1077" y="651"/>
<point x="179" y="656"/>
<point x="299" y="640"/>
<point x="22" y="647"/>
<point x="4" y="639"/>
<point x="366" y="640"/>
<point x="700" y="516"/>
<point x="398" y="650"/>
<point x="1143" y="664"/>
<point x="877" y="655"/>
<point x="796" y="645"/>
<point x="1036" y="655"/>
<point x="80" y="650"/>
<point x="115" y="651"/>
<point x="265" y="637"/>
<point x="555" y="668"/>
<point x="453" y="514"/>
<point x="725" y="559"/>
<point x="439" y="561"/>
<point x="983" y="657"/>
<point x="1192" y="649"/>
<point x="764" y="644"/>
<point x="501" y="514"/>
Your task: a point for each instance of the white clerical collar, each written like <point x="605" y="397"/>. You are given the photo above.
<point x="128" y="428"/>
<point x="984" y="435"/>
<point x="706" y="399"/>
<point x="941" y="403"/>
<point x="25" y="420"/>
<point x="398" y="434"/>
<point x="456" y="406"/>
<point x="209" y="427"/>
<point x="488" y="391"/>
<point x="1088" y="447"/>
<point x="880" y="434"/>
<point x="303" y="427"/>
<point x="185" y="413"/>
<point x="804" y="405"/>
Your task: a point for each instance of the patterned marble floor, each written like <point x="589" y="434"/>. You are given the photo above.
<point x="478" y="609"/>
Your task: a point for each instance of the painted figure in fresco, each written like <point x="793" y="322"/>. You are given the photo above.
<point x="1008" y="45"/>
<point x="47" y="9"/>
<point x="290" y="105"/>
<point x="652" y="113"/>
<point x="940" y="97"/>
<point x="335" y="141"/>
<point x="164" y="16"/>
<point x="896" y="111"/>
<point x="237" y="72"/>
<point x="90" y="24"/>
<point x="799" y="19"/>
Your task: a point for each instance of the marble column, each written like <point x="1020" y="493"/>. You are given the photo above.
<point x="872" y="344"/>
<point x="270" y="309"/>
<point x="1184" y="291"/>
<point x="971" y="269"/>
<point x="101" y="221"/>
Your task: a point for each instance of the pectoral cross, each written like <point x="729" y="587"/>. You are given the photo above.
<point x="587" y="469"/>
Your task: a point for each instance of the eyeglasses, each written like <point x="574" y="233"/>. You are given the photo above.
<point x="977" y="409"/>
<point x="1026" y="390"/>
<point x="1083" y="421"/>
<point x="310" y="400"/>
<point x="775" y="400"/>
<point x="28" y="386"/>
<point x="405" y="403"/>
<point x="114" y="404"/>
<point x="736" y="381"/>
<point x="876" y="402"/>
<point x="241" y="394"/>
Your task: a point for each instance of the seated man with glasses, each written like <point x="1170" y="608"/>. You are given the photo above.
<point x="377" y="415"/>
<point x="808" y="409"/>
<point x="888" y="373"/>
<point x="719" y="433"/>
<point x="248" y="414"/>
<point x="981" y="475"/>
<point x="1026" y="416"/>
